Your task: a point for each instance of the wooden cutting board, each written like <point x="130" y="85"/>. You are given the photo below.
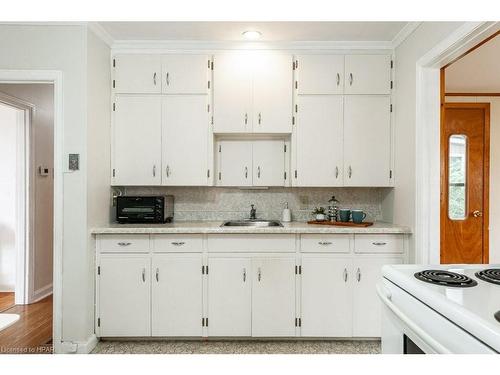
<point x="342" y="223"/>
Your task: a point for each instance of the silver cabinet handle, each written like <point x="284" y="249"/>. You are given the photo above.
<point x="324" y="243"/>
<point x="144" y="275"/>
<point x="260" y="118"/>
<point x="168" y="79"/>
<point x="345" y="275"/>
<point x="259" y="274"/>
<point x="167" y="171"/>
<point x="246" y="172"/>
<point x="351" y="79"/>
<point x="336" y="172"/>
<point x="258" y="172"/>
<point x="246" y="118"/>
<point x="178" y="243"/>
<point x="358" y="275"/>
<point x="349" y="172"/>
<point x="157" y="275"/>
<point x="244" y="275"/>
<point x="154" y="78"/>
<point x="338" y="79"/>
<point x="154" y="170"/>
<point x="379" y="243"/>
<point x="124" y="243"/>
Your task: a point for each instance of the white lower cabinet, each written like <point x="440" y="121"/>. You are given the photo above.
<point x="177" y="291"/>
<point x="124" y="302"/>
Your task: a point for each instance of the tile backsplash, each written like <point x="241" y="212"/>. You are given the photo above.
<point x="215" y="203"/>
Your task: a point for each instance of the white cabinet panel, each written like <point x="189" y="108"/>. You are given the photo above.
<point x="367" y="141"/>
<point x="320" y="74"/>
<point x="137" y="140"/>
<point x="229" y="297"/>
<point x="176" y="295"/>
<point x="272" y="93"/>
<point x="268" y="163"/>
<point x="325" y="243"/>
<point x="177" y="243"/>
<point x="367" y="74"/>
<point x="232" y="93"/>
<point x="123" y="243"/>
<point x="251" y="243"/>
<point x="185" y="74"/>
<point x="273" y="297"/>
<point x="379" y="243"/>
<point x="235" y="163"/>
<point x="124" y="296"/>
<point x="319" y="141"/>
<point x="326" y="296"/>
<point x="138" y="74"/>
<point x="185" y="140"/>
<point x="366" y="303"/>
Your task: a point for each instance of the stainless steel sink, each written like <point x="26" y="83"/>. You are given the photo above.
<point x="252" y="223"/>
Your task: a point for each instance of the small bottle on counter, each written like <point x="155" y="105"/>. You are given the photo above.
<point x="287" y="214"/>
<point x="333" y="209"/>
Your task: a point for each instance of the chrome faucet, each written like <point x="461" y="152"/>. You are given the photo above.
<point x="253" y="213"/>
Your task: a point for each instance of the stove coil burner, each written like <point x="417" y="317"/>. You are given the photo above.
<point x="491" y="275"/>
<point x="445" y="278"/>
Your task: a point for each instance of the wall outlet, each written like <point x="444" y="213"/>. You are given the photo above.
<point x="304" y="202"/>
<point x="74" y="162"/>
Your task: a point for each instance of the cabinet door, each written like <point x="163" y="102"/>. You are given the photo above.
<point x="137" y="74"/>
<point x="367" y="141"/>
<point x="272" y="93"/>
<point x="185" y="140"/>
<point x="176" y="295"/>
<point x="268" y="163"/>
<point x="185" y="74"/>
<point x="320" y="74"/>
<point x="326" y="296"/>
<point x="137" y="141"/>
<point x="273" y="297"/>
<point x="235" y="163"/>
<point x="124" y="296"/>
<point x="232" y="93"/>
<point x="229" y="297"/>
<point x="367" y="74"/>
<point x="366" y="303"/>
<point x="319" y="141"/>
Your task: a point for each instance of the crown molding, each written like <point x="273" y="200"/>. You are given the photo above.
<point x="101" y="33"/>
<point x="404" y="33"/>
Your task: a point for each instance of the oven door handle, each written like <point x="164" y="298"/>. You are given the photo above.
<point x="386" y="296"/>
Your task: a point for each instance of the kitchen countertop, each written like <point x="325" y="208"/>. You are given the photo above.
<point x="215" y="227"/>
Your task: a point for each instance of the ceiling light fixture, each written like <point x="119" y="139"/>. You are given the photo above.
<point x="251" y="34"/>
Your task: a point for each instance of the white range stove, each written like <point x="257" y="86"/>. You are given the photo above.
<point x="440" y="309"/>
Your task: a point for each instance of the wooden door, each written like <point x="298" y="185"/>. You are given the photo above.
<point x="367" y="140"/>
<point x="185" y="140"/>
<point x="229" y="297"/>
<point x="185" y="74"/>
<point x="232" y="93"/>
<point x="235" y="163"/>
<point x="326" y="296"/>
<point x="268" y="162"/>
<point x="320" y="74"/>
<point x="272" y="93"/>
<point x="367" y="74"/>
<point x="319" y="141"/>
<point x="176" y="295"/>
<point x="136" y="140"/>
<point x="124" y="283"/>
<point x="137" y="74"/>
<point x="273" y="297"/>
<point x="465" y="183"/>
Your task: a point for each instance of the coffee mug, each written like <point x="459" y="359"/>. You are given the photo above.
<point x="345" y="215"/>
<point x="358" y="216"/>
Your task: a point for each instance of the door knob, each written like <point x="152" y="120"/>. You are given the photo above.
<point x="477" y="213"/>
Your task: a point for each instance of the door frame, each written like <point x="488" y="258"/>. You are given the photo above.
<point x="486" y="170"/>
<point x="54" y="77"/>
<point x="428" y="134"/>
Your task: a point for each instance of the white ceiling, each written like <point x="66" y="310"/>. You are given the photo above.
<point x="271" y="31"/>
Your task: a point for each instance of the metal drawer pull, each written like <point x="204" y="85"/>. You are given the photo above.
<point x="345" y="275"/>
<point x="260" y="118"/>
<point x="246" y="172"/>
<point x="259" y="274"/>
<point x="167" y="170"/>
<point x="157" y="275"/>
<point x="154" y="170"/>
<point x="244" y="274"/>
<point x="124" y="243"/>
<point x="358" y="275"/>
<point x="324" y="243"/>
<point x="246" y="118"/>
<point x="379" y="243"/>
<point x="351" y="79"/>
<point x="350" y="172"/>
<point x="154" y="78"/>
<point x="336" y="172"/>
<point x="144" y="275"/>
<point x="338" y="79"/>
<point x="168" y="79"/>
<point x="258" y="172"/>
<point x="178" y="243"/>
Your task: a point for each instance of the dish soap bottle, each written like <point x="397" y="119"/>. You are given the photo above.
<point x="287" y="214"/>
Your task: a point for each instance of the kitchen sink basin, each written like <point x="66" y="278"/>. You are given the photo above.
<point x="252" y="223"/>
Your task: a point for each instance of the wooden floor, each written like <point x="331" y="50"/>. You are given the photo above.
<point x="32" y="333"/>
<point x="6" y="300"/>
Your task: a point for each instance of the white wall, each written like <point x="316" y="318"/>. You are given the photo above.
<point x="8" y="160"/>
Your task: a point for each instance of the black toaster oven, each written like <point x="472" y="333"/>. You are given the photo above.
<point x="144" y="209"/>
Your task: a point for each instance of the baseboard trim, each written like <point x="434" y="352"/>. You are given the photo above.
<point x="41" y="293"/>
<point x="87" y="346"/>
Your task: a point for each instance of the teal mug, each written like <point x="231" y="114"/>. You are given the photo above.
<point x="358" y="216"/>
<point x="345" y="215"/>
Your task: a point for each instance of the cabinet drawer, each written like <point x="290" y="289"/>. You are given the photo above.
<point x="122" y="243"/>
<point x="257" y="243"/>
<point x="177" y="243"/>
<point x="378" y="243"/>
<point x="325" y="243"/>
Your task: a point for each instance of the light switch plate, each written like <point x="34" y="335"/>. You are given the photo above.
<point x="74" y="162"/>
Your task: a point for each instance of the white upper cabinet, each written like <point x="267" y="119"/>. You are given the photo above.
<point x="272" y="93"/>
<point x="235" y="163"/>
<point x="320" y="74"/>
<point x="185" y="74"/>
<point x="367" y="141"/>
<point x="232" y="93"/>
<point x="185" y="128"/>
<point x="367" y="74"/>
<point x="319" y="141"/>
<point x="137" y="141"/>
<point x="268" y="163"/>
<point x="137" y="74"/>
